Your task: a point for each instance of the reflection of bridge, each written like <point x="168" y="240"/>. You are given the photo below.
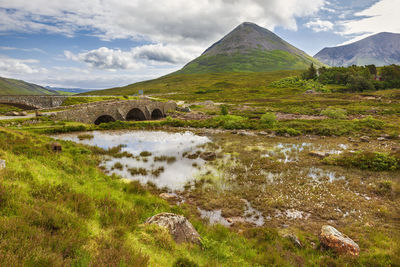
<point x="32" y="101"/>
<point x="99" y="112"/>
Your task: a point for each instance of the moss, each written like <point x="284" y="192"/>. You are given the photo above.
<point x="366" y="160"/>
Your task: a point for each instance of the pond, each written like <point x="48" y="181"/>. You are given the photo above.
<point x="156" y="156"/>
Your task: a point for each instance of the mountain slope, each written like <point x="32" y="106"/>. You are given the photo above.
<point x="249" y="48"/>
<point x="379" y="49"/>
<point x="18" y="87"/>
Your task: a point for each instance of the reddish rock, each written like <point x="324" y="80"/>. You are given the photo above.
<point x="340" y="243"/>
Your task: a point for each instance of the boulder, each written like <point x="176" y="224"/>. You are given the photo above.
<point x="208" y="156"/>
<point x="14" y="113"/>
<point x="178" y="226"/>
<point x="2" y="164"/>
<point x="320" y="154"/>
<point x="340" y="243"/>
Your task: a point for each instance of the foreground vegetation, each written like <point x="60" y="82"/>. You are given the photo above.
<point x="60" y="209"/>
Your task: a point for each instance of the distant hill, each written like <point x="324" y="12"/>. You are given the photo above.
<point x="18" y="87"/>
<point x="379" y="49"/>
<point x="70" y="90"/>
<point x="249" y="48"/>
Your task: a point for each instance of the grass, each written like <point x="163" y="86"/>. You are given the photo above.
<point x="253" y="61"/>
<point x="18" y="87"/>
<point x="7" y="108"/>
<point x="80" y="216"/>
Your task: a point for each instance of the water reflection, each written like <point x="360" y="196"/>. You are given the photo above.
<point x="164" y="164"/>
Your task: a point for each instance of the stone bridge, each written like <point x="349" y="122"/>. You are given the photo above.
<point x="123" y="110"/>
<point x="33" y="101"/>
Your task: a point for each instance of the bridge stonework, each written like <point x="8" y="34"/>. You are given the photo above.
<point x="33" y="101"/>
<point x="118" y="110"/>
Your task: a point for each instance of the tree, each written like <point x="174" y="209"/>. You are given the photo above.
<point x="310" y="73"/>
<point x="371" y="69"/>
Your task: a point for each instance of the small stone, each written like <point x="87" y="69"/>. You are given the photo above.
<point x="320" y="154"/>
<point x="178" y="226"/>
<point x="193" y="156"/>
<point x="2" y="164"/>
<point x="167" y="196"/>
<point x="310" y="92"/>
<point x="23" y="113"/>
<point x="56" y="147"/>
<point x="381" y="139"/>
<point x="38" y="113"/>
<point x="364" y="139"/>
<point x="208" y="156"/>
<point x="14" y="113"/>
<point x="335" y="240"/>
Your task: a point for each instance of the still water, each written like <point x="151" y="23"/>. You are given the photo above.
<point x="163" y="160"/>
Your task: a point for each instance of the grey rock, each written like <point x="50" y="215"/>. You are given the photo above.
<point x="294" y="239"/>
<point x="2" y="164"/>
<point x="178" y="226"/>
<point x="364" y="139"/>
<point x="320" y="154"/>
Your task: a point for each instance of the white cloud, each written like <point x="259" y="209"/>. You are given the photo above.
<point x="113" y="59"/>
<point x="318" y="25"/>
<point x="167" y="21"/>
<point x="382" y="16"/>
<point x="11" y="66"/>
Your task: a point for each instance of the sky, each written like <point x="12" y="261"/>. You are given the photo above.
<point x="96" y="44"/>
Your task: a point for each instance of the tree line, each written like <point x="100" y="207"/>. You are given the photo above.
<point x="356" y="78"/>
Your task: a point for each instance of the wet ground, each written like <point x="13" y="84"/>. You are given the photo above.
<point x="255" y="180"/>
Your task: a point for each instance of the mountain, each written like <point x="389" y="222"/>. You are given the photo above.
<point x="249" y="48"/>
<point x="379" y="49"/>
<point x="18" y="87"/>
<point x="70" y="90"/>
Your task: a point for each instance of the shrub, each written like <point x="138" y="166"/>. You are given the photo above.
<point x="268" y="119"/>
<point x="334" y="113"/>
<point x="184" y="262"/>
<point x="365" y="160"/>
<point x="371" y="122"/>
<point x="224" y="110"/>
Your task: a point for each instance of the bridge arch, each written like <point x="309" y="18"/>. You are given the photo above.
<point x="157" y="114"/>
<point x="135" y="114"/>
<point x="104" y="119"/>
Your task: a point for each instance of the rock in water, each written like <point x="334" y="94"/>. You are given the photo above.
<point x="208" y="156"/>
<point x="178" y="226"/>
<point x="2" y="164"/>
<point x="342" y="244"/>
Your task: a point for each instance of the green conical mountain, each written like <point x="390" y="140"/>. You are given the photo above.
<point x="250" y="48"/>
